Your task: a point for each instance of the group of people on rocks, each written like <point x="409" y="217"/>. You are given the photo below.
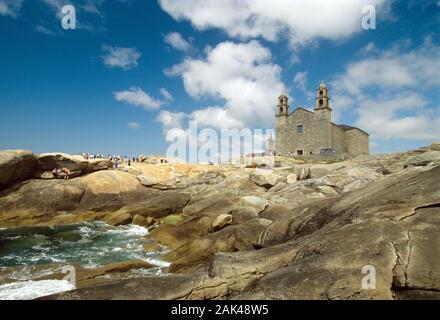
<point x="119" y="159"/>
<point x="88" y="156"/>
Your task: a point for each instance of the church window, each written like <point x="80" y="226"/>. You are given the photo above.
<point x="321" y="93"/>
<point x="299" y="152"/>
<point x="321" y="102"/>
<point x="300" y="129"/>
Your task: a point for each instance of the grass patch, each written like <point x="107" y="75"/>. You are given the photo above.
<point x="173" y="219"/>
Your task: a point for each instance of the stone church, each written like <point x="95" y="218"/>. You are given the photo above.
<point x="306" y="133"/>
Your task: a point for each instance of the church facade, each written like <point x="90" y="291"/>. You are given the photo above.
<point x="303" y="132"/>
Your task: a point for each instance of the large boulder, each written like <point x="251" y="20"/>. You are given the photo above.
<point x="256" y="203"/>
<point x="155" y="183"/>
<point x="51" y="161"/>
<point x="15" y="166"/>
<point x="195" y="253"/>
<point x="98" y="164"/>
<point x="430" y="157"/>
<point x="111" y="190"/>
<point x="36" y="201"/>
<point x="266" y="179"/>
<point x="435" y="146"/>
<point x="222" y="221"/>
<point x="349" y="179"/>
<point x="318" y="171"/>
<point x="302" y="172"/>
<point x="292" y="178"/>
<point x="157" y="205"/>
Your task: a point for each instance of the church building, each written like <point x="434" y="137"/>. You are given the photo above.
<point x="303" y="132"/>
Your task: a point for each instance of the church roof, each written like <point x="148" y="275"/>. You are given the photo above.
<point x="346" y="128"/>
<point x="304" y="109"/>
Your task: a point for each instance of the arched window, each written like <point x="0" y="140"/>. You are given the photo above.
<point x="321" y="102"/>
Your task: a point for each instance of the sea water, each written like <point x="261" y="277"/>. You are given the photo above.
<point x="90" y="245"/>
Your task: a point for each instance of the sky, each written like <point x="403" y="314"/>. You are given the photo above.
<point x="134" y="69"/>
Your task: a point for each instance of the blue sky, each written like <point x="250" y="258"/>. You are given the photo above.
<point x="135" y="68"/>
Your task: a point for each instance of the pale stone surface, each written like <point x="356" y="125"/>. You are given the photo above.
<point x="98" y="164"/>
<point x="302" y="172"/>
<point x="221" y="221"/>
<point x="435" y="146"/>
<point x="139" y="220"/>
<point x="51" y="161"/>
<point x="425" y="159"/>
<point x="257" y="203"/>
<point x="292" y="178"/>
<point x="266" y="180"/>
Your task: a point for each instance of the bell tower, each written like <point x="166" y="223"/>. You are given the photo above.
<point x="281" y="117"/>
<point x="322" y="107"/>
<point x="283" y="105"/>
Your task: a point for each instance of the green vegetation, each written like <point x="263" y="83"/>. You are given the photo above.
<point x="173" y="219"/>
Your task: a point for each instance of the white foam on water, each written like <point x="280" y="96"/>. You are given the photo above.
<point x="131" y="229"/>
<point x="157" y="262"/>
<point x="33" y="289"/>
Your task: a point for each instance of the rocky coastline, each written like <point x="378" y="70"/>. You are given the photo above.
<point x="299" y="231"/>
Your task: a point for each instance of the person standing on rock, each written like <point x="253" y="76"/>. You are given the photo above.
<point x="66" y="173"/>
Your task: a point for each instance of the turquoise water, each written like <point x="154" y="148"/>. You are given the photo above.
<point x="88" y="244"/>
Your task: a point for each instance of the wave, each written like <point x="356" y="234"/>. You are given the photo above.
<point x="29" y="290"/>
<point x="158" y="262"/>
<point x="130" y="230"/>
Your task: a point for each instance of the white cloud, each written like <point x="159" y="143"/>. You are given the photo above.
<point x="300" y="80"/>
<point x="166" y="94"/>
<point x="389" y="118"/>
<point x="175" y="40"/>
<point x="216" y="117"/>
<point x="42" y="29"/>
<point x="133" y="125"/>
<point x="125" y="58"/>
<point x="394" y="69"/>
<point x="386" y="92"/>
<point x="298" y="20"/>
<point x="171" y="120"/>
<point x="10" y="7"/>
<point x="241" y="75"/>
<point x="90" y="7"/>
<point x="87" y="6"/>
<point x="137" y="97"/>
<point x="56" y="5"/>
